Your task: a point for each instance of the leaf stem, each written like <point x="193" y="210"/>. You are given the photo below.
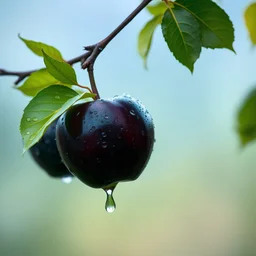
<point x="84" y="87"/>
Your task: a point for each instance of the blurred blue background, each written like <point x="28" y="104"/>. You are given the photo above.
<point x="197" y="195"/>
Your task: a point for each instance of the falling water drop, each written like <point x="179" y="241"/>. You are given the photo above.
<point x="67" y="179"/>
<point x="110" y="204"/>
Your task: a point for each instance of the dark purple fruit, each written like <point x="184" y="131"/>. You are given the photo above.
<point x="106" y="141"/>
<point x="46" y="154"/>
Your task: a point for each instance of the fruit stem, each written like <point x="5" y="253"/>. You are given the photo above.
<point x="90" y="70"/>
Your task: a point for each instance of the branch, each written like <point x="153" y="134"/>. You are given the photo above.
<point x="96" y="49"/>
<point x="22" y="75"/>
<point x="93" y="51"/>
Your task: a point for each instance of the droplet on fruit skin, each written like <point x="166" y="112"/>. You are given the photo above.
<point x="28" y="119"/>
<point x="104" y="144"/>
<point x="67" y="180"/>
<point x="110" y="204"/>
<point x="132" y="112"/>
<point x="104" y="135"/>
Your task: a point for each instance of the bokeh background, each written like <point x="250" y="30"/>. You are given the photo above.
<point x="197" y="196"/>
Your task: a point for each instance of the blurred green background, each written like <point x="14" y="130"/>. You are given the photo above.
<point x="197" y="196"/>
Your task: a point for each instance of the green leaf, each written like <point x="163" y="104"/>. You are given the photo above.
<point x="36" y="82"/>
<point x="217" y="30"/>
<point x="146" y="35"/>
<point x="43" y="109"/>
<point x="62" y="71"/>
<point x="182" y="34"/>
<point x="246" y="119"/>
<point x="37" y="47"/>
<point x="250" y="20"/>
<point x="158" y="9"/>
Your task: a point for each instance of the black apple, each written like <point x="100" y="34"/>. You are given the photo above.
<point x="106" y="141"/>
<point x="46" y="155"/>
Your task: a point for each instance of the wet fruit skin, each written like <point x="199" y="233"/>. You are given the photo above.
<point x="106" y="141"/>
<point x="46" y="155"/>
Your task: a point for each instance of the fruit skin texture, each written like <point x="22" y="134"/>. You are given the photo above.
<point x="106" y="141"/>
<point x="46" y="155"/>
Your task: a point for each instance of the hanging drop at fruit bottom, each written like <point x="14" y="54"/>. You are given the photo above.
<point x="104" y="142"/>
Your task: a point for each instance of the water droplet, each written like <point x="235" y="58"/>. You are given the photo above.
<point x="27" y="133"/>
<point x="28" y="119"/>
<point x="104" y="144"/>
<point x="106" y="116"/>
<point x="110" y="204"/>
<point x="126" y="95"/>
<point x="122" y="128"/>
<point x="92" y="129"/>
<point x="78" y="114"/>
<point x="35" y="119"/>
<point x="57" y="97"/>
<point x="104" y="135"/>
<point x="67" y="179"/>
<point x="132" y="112"/>
<point x="143" y="133"/>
